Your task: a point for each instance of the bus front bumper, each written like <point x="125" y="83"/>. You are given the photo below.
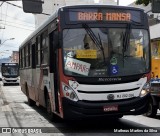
<point x="82" y="109"/>
<point x="10" y="81"/>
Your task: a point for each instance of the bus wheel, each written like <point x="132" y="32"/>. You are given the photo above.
<point x="51" y="115"/>
<point x="30" y="101"/>
<point x="117" y="117"/>
<point x="151" y="111"/>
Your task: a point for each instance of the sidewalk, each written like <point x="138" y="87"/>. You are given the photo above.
<point x="1" y="100"/>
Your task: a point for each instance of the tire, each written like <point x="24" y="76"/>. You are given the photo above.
<point x="151" y="111"/>
<point x="119" y="116"/>
<point x="116" y="117"/>
<point x="52" y="117"/>
<point x="30" y="101"/>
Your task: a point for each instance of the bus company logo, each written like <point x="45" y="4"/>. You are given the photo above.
<point x="6" y="130"/>
<point x="109" y="79"/>
<point x="110" y="97"/>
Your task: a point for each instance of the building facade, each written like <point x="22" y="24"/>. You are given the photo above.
<point x="15" y="57"/>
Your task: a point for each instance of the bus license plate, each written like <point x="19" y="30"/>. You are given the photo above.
<point x="110" y="108"/>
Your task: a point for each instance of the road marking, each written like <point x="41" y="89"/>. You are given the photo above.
<point x="26" y="107"/>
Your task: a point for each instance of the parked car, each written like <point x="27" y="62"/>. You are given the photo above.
<point x="154" y="104"/>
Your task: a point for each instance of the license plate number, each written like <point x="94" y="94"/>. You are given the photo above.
<point x="122" y="96"/>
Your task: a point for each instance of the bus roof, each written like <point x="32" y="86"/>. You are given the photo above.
<point x="103" y="6"/>
<point x="55" y="15"/>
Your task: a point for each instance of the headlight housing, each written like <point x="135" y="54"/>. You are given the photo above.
<point x="69" y="92"/>
<point x="145" y="90"/>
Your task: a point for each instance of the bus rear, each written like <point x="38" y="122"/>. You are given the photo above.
<point x="103" y="62"/>
<point x="10" y="73"/>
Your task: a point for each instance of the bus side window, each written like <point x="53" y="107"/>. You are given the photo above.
<point x="44" y="49"/>
<point x="55" y="37"/>
<point x="33" y="55"/>
<point x="38" y="47"/>
<point x="51" y="51"/>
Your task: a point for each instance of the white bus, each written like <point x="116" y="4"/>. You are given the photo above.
<point x="10" y="73"/>
<point x="88" y="61"/>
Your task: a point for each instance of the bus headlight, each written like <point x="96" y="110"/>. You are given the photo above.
<point x="69" y="92"/>
<point x="145" y="90"/>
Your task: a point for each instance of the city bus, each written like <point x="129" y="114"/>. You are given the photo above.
<point x="10" y="73"/>
<point x="88" y="61"/>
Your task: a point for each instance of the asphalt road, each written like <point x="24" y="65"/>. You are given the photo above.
<point x="15" y="113"/>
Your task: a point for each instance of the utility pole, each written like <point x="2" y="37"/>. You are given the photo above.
<point x="117" y="2"/>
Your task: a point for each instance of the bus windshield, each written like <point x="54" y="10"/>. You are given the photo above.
<point x="10" y="71"/>
<point x="105" y="52"/>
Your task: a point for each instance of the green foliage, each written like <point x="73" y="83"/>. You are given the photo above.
<point x="145" y="2"/>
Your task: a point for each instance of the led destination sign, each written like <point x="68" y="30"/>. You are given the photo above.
<point x="83" y="15"/>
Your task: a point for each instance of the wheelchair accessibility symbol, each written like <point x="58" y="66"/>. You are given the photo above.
<point x="114" y="69"/>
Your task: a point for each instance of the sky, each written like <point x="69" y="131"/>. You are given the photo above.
<point x="19" y="25"/>
<point x="121" y="2"/>
<point x="125" y="2"/>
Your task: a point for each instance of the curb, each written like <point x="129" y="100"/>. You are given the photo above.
<point x="1" y="100"/>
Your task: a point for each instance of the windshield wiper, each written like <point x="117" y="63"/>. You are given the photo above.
<point x="94" y="38"/>
<point x="126" y="38"/>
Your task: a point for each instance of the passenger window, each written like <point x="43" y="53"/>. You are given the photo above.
<point x="45" y="47"/>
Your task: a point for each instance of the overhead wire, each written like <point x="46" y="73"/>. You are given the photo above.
<point x="9" y="46"/>
<point x="4" y="23"/>
<point x="18" y="27"/>
<point x="22" y="8"/>
<point x="1" y="3"/>
<point x="18" y="24"/>
<point x="8" y="23"/>
<point x="13" y="4"/>
<point x="1" y="10"/>
<point x="17" y="19"/>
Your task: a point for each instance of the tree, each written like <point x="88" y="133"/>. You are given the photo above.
<point x="145" y="2"/>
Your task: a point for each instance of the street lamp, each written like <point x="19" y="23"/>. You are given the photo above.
<point x="6" y="40"/>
